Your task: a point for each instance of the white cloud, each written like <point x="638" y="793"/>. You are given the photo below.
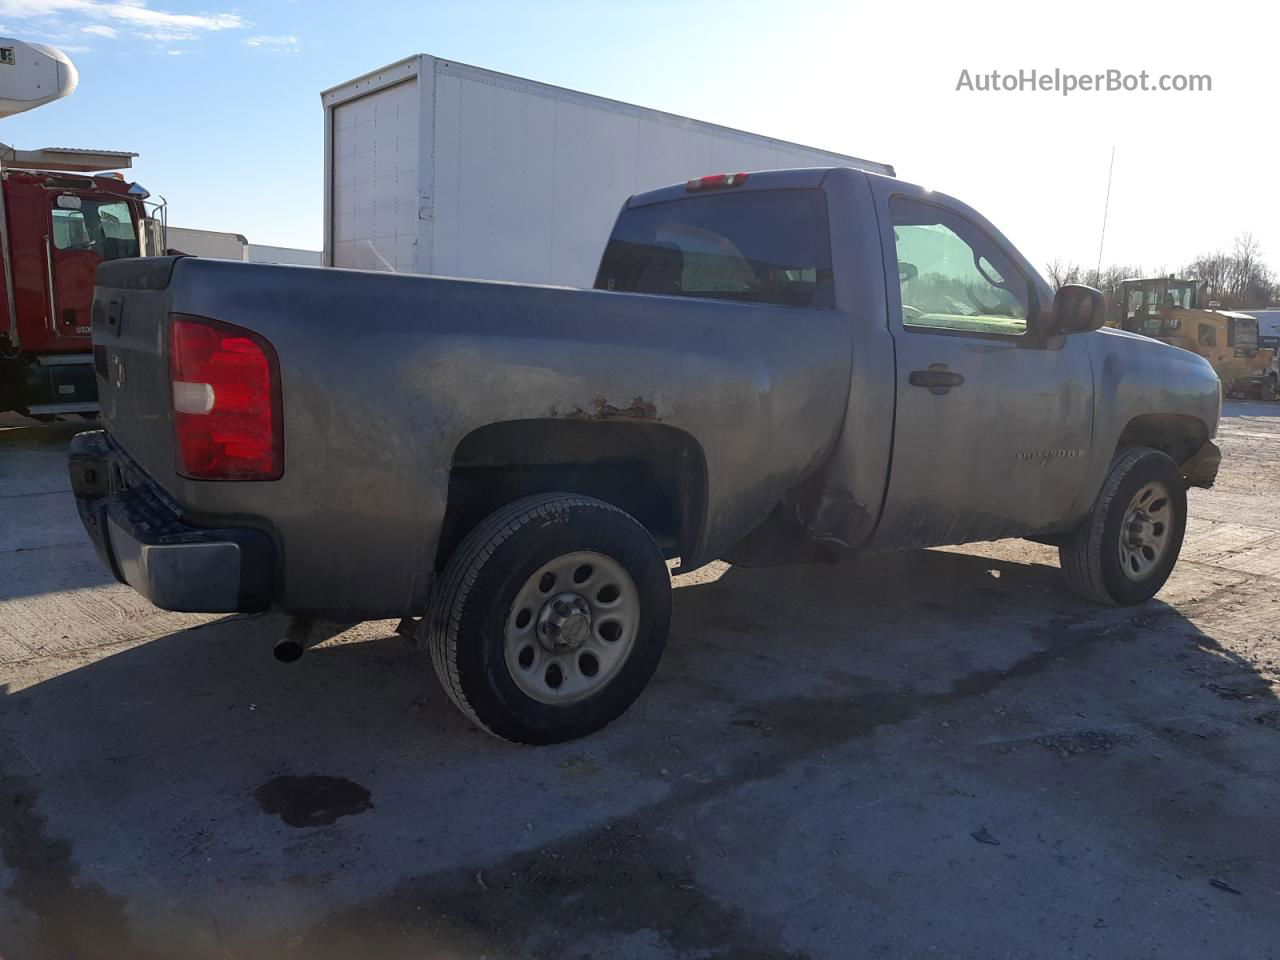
<point x="284" y="43"/>
<point x="135" y="16"/>
<point x="166" y="36"/>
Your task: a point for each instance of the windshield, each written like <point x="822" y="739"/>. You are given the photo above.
<point x="1181" y="294"/>
<point x="104" y="227"/>
<point x="766" y="246"/>
<point x="1150" y="297"/>
<point x="1148" y="305"/>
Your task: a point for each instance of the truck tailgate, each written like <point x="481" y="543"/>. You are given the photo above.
<point x="130" y="314"/>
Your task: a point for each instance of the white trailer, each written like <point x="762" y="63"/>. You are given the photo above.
<point x="1268" y="327"/>
<point x="220" y="245"/>
<point x="437" y="167"/>
<point x="298" y="256"/>
<point x="215" y="244"/>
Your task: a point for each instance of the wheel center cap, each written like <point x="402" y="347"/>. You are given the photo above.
<point x="565" y="623"/>
<point x="1139" y="526"/>
<point x="575" y="630"/>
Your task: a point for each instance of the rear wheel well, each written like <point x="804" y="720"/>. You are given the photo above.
<point x="1175" y="435"/>
<point x="654" y="472"/>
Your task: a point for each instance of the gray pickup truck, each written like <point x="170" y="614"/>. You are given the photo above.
<point x="774" y="367"/>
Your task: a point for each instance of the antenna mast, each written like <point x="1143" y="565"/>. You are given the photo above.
<point x="1106" y="205"/>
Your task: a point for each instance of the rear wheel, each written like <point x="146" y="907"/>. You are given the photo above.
<point x="550" y="618"/>
<point x="1126" y="547"/>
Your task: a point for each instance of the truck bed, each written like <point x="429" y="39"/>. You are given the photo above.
<point x="395" y="385"/>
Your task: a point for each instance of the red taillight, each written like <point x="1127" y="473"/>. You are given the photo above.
<point x="711" y="181"/>
<point x="226" y="401"/>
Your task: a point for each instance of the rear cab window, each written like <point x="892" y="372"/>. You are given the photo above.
<point x="762" y="246"/>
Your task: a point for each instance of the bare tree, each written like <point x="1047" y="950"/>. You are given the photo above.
<point x="1213" y="270"/>
<point x="1062" y="272"/>
<point x="1249" y="281"/>
<point x="1109" y="280"/>
<point x="1261" y="290"/>
<point x="1239" y="279"/>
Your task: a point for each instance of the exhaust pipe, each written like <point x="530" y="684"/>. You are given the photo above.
<point x="288" y="651"/>
<point x="302" y="634"/>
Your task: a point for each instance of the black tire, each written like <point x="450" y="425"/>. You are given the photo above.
<point x="1091" y="555"/>
<point x="464" y="630"/>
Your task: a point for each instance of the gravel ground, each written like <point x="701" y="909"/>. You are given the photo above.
<point x="940" y="753"/>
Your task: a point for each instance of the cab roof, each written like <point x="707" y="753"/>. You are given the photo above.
<point x="799" y="178"/>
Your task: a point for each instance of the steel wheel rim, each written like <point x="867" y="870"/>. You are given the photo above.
<point x="1145" y="533"/>
<point x="572" y="659"/>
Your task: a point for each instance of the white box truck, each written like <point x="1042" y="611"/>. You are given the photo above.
<point x="298" y="256"/>
<point x="1268" y="327"/>
<point x="207" y="243"/>
<point x="433" y="166"/>
<point x="234" y="246"/>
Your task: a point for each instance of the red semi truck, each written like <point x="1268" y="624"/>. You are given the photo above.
<point x="60" y="218"/>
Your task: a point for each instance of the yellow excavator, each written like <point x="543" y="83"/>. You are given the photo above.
<point x="1168" y="309"/>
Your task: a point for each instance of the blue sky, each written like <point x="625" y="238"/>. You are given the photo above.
<point x="221" y="99"/>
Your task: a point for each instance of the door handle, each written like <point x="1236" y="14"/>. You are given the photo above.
<point x="938" y="379"/>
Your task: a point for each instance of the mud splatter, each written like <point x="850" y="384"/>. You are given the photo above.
<point x="638" y="409"/>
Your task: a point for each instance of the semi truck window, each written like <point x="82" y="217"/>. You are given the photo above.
<point x="764" y="246"/>
<point x="952" y="276"/>
<point x="105" y="228"/>
<point x="69" y="231"/>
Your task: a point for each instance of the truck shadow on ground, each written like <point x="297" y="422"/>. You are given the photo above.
<point x="175" y="767"/>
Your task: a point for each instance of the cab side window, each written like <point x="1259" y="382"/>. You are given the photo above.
<point x="70" y="231"/>
<point x="953" y="276"/>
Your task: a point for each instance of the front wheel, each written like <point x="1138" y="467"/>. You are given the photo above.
<point x="550" y="618"/>
<point x="1126" y="547"/>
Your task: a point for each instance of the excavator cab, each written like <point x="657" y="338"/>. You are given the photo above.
<point x="1149" y="305"/>
<point x="1168" y="309"/>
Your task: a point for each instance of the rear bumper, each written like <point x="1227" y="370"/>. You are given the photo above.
<point x="143" y="539"/>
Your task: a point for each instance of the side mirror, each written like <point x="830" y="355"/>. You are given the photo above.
<point x="1077" y="308"/>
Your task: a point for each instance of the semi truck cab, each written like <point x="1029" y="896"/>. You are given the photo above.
<point x="56" y="226"/>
